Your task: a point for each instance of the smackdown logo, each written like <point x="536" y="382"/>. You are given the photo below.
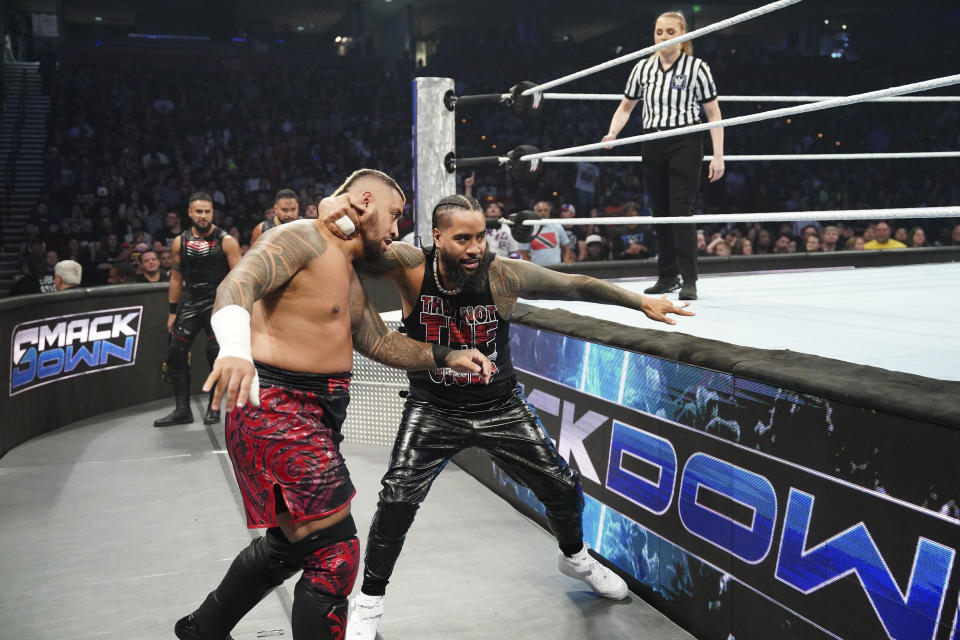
<point x="53" y="349"/>
<point x="851" y="562"/>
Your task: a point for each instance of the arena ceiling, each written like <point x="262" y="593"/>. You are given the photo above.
<point x="558" y="19"/>
<point x="428" y="15"/>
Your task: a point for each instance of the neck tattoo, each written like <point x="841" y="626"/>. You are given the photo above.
<point x="436" y="276"/>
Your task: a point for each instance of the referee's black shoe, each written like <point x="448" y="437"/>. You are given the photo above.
<point x="688" y="291"/>
<point x="664" y="286"/>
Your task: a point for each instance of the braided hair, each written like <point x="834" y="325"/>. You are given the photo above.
<point x="452" y="203"/>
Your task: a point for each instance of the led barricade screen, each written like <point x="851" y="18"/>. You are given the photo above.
<point x="52" y="349"/>
<point x="83" y="352"/>
<point x="746" y="510"/>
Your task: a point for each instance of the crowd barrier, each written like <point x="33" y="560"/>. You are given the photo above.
<point x="82" y="352"/>
<point x="751" y="493"/>
<point x="746" y="493"/>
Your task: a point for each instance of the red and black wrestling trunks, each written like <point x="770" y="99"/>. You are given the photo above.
<point x="286" y="452"/>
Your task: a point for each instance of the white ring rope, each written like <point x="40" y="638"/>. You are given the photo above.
<point x="723" y="24"/>
<point x="756" y="117"/>
<point x="778" y="216"/>
<point x="772" y="158"/>
<point x="617" y="97"/>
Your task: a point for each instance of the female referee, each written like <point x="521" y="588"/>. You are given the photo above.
<point x="673" y="85"/>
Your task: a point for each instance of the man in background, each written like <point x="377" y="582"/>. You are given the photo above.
<point x="150" y="270"/>
<point x="882" y="239"/>
<point x="549" y="244"/>
<point x="67" y="275"/>
<point x="286" y="208"/>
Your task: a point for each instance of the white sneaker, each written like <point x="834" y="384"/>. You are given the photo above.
<point x="364" y="618"/>
<point x="602" y="580"/>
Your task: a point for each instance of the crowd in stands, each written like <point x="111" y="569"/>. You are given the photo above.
<point x="130" y="137"/>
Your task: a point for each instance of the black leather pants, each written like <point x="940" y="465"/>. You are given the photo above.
<point x="429" y="436"/>
<point x="193" y="314"/>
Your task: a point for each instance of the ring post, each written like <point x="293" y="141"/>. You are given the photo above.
<point x="433" y="139"/>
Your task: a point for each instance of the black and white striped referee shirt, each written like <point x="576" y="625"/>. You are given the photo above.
<point x="672" y="97"/>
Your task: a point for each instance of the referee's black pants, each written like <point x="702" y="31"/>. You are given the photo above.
<point x="671" y="174"/>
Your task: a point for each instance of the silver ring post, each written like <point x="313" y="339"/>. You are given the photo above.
<point x="433" y="139"/>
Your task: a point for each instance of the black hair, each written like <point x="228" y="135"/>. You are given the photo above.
<point x="199" y="195"/>
<point x="125" y="269"/>
<point x="370" y="173"/>
<point x="286" y="193"/>
<point x="452" y="203"/>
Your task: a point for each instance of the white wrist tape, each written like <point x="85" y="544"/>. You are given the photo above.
<point x="231" y="325"/>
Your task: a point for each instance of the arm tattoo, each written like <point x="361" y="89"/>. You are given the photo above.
<point x="270" y="264"/>
<point x="398" y="256"/>
<point x="372" y="338"/>
<point x="504" y="285"/>
<point x="512" y="279"/>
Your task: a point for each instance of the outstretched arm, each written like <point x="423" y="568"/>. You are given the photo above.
<point x="512" y="279"/>
<point x="372" y="338"/>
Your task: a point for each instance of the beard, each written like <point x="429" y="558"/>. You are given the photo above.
<point x="372" y="250"/>
<point x="459" y="278"/>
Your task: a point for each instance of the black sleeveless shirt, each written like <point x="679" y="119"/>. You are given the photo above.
<point x="203" y="262"/>
<point x="266" y="225"/>
<point x="463" y="321"/>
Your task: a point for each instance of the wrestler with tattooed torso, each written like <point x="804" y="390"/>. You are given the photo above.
<point x="288" y="318"/>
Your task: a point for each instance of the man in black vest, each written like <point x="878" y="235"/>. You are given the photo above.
<point x="202" y="256"/>
<point x="460" y="296"/>
<point x="286" y="208"/>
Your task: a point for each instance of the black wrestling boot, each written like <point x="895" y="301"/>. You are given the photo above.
<point x="212" y="416"/>
<point x="664" y="285"/>
<point x="182" y="414"/>
<point x="688" y="291"/>
<point x="187" y="629"/>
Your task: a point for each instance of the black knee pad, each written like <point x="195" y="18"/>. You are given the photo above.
<point x="266" y="562"/>
<point x="317" y="615"/>
<point x="177" y="355"/>
<point x="331" y="559"/>
<point x="280" y="557"/>
<point x="263" y="565"/>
